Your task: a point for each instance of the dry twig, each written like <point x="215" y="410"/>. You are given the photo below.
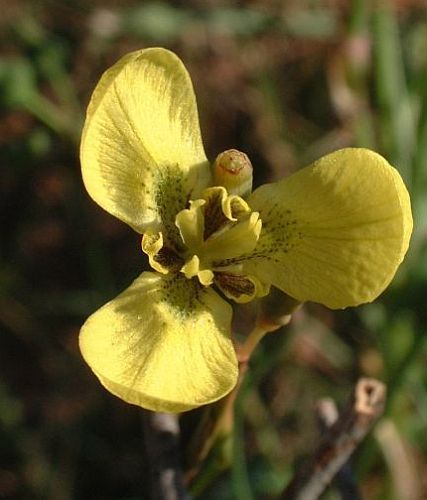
<point x="365" y="407"/>
<point x="344" y="481"/>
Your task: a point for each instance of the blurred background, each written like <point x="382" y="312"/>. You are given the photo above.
<point x="286" y="81"/>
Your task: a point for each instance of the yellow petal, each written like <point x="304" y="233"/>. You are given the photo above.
<point x="151" y="244"/>
<point x="191" y="224"/>
<point x="334" y="232"/>
<point x="235" y="207"/>
<point x="220" y="208"/>
<point x="141" y="151"/>
<point x="232" y="241"/>
<point x="163" y="344"/>
<point x="193" y="268"/>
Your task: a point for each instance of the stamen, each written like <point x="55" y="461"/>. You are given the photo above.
<point x="235" y="285"/>
<point x="240" y="288"/>
<point x="213" y="212"/>
<point x="169" y="259"/>
<point x="161" y="258"/>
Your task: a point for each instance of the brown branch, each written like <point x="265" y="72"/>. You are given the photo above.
<point x="161" y="436"/>
<point x="365" y="407"/>
<point x="344" y="481"/>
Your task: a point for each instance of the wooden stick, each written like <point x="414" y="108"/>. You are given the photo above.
<point x="161" y="435"/>
<point x="365" y="407"/>
<point x="344" y="481"/>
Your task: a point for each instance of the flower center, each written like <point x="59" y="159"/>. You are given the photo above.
<point x="216" y="228"/>
<point x="213" y="229"/>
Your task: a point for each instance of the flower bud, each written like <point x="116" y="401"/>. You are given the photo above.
<point x="233" y="170"/>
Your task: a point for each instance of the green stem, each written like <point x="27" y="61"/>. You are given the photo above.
<point x="219" y="423"/>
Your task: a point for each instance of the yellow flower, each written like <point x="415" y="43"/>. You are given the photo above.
<point x="334" y="232"/>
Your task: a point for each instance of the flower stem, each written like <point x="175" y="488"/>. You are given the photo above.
<point x="217" y="424"/>
<point x="218" y="420"/>
<point x="244" y="352"/>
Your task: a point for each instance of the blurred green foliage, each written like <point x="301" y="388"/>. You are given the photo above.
<point x="285" y="82"/>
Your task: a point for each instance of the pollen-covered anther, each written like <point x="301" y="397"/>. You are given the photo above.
<point x="240" y="288"/>
<point x="233" y="170"/>
<point x="161" y="258"/>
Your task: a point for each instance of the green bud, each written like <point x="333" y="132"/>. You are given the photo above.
<point x="233" y="170"/>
